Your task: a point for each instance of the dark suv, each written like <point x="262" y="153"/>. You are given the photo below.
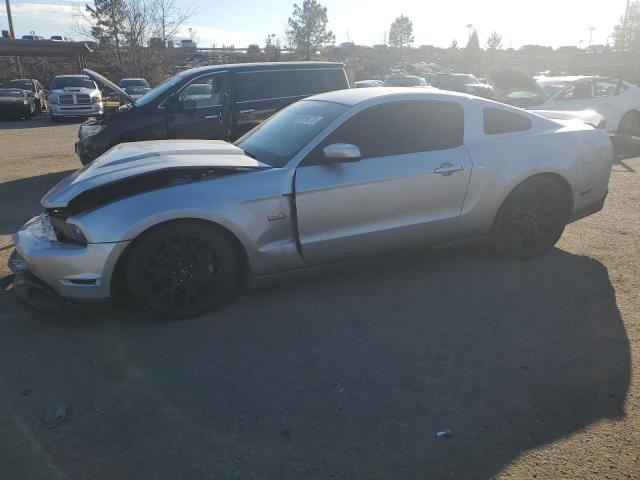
<point x="214" y="102"/>
<point x="35" y="87"/>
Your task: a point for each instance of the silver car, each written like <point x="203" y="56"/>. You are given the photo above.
<point x="333" y="176"/>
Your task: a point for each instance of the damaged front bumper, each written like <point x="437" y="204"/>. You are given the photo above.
<point x="63" y="273"/>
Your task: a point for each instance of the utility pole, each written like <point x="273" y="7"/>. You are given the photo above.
<point x="12" y="33"/>
<point x="469" y="27"/>
<point x="591" y="29"/>
<point x="624" y="25"/>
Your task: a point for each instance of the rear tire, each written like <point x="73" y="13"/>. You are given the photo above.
<point x="531" y="219"/>
<point x="630" y="124"/>
<point x="182" y="269"/>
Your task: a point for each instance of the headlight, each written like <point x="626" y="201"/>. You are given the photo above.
<point x="53" y="100"/>
<point x="96" y="99"/>
<point x="90" y="130"/>
<point x="66" y="232"/>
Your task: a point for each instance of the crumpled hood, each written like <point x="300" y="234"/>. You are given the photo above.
<point x="128" y="160"/>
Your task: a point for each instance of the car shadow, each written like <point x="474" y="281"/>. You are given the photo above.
<point x="20" y="199"/>
<point x="344" y="373"/>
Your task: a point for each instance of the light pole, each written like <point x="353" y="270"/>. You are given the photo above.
<point x="623" y="38"/>
<point x="591" y="29"/>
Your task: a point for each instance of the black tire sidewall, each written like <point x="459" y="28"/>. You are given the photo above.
<point x="500" y="235"/>
<point x="150" y="239"/>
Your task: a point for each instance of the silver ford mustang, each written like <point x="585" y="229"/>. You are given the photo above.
<point x="336" y="175"/>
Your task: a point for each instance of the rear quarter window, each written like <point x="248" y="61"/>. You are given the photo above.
<point x="497" y="121"/>
<point x="318" y="80"/>
<point x="263" y="85"/>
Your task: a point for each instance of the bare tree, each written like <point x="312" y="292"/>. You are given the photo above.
<point x="494" y="42"/>
<point x="168" y="18"/>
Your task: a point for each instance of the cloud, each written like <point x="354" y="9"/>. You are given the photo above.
<point x="45" y="19"/>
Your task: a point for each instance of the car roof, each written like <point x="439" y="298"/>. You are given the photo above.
<point x="568" y="78"/>
<point x="73" y="76"/>
<point x="260" y="66"/>
<point x="354" y="96"/>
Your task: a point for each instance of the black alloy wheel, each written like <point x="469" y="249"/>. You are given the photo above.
<point x="531" y="219"/>
<point x="182" y="270"/>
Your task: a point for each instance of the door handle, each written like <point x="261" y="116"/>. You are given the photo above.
<point x="251" y="110"/>
<point x="448" y="168"/>
<point x="209" y="117"/>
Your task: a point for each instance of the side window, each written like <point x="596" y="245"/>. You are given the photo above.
<point x="498" y="121"/>
<point x="207" y="91"/>
<point x="398" y="128"/>
<point x="264" y="85"/>
<point x="312" y="81"/>
<point x="607" y="87"/>
<point x="578" y="91"/>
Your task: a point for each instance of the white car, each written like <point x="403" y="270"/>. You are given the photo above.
<point x="616" y="100"/>
<point x="74" y="96"/>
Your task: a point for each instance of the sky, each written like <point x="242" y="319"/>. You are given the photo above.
<point x="242" y="22"/>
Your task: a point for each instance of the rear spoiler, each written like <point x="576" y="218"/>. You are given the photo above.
<point x="590" y="117"/>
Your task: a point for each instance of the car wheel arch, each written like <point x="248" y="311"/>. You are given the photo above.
<point x="556" y="177"/>
<point x="118" y="287"/>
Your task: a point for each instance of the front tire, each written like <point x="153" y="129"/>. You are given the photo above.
<point x="182" y="269"/>
<point x="531" y="219"/>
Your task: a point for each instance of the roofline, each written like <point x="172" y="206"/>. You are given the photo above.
<point x="262" y="65"/>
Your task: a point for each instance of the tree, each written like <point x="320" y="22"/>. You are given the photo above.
<point x="401" y="32"/>
<point x="454" y="44"/>
<point x="473" y="42"/>
<point x="308" y="27"/>
<point x="168" y="18"/>
<point x="628" y="37"/>
<point x="104" y="23"/>
<point x="472" y="52"/>
<point x="494" y="42"/>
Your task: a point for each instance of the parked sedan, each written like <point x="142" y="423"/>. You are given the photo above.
<point x="346" y="173"/>
<point x="35" y="87"/>
<point x="461" y="82"/>
<point x="404" y="81"/>
<point x="616" y="100"/>
<point x="16" y="103"/>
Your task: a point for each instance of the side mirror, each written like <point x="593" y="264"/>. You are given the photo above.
<point x="342" y="152"/>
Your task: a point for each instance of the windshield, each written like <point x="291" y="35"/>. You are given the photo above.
<point x="550" y="87"/>
<point x="22" y="84"/>
<point x="136" y="90"/>
<point x="5" y="92"/>
<point x="278" y="140"/>
<point x="133" y="82"/>
<point x="73" y="82"/>
<point x="160" y="90"/>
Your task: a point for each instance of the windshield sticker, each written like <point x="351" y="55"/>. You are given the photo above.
<point x="307" y="119"/>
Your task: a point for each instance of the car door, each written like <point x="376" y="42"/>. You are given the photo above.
<point x="577" y="96"/>
<point x="406" y="189"/>
<point x="200" y="109"/>
<point x="609" y="99"/>
<point x="259" y="94"/>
